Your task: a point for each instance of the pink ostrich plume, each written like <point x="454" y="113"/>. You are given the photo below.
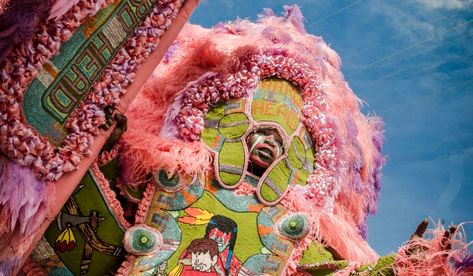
<point x="153" y="138"/>
<point x="442" y="252"/>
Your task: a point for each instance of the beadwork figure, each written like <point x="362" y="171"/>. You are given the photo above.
<point x="199" y="258"/>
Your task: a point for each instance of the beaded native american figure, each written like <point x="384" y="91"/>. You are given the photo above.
<point x="245" y="154"/>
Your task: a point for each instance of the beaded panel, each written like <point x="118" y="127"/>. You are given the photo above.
<point x="53" y="96"/>
<point x="67" y="78"/>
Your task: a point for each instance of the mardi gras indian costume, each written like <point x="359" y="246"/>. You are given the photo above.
<point x="245" y="154"/>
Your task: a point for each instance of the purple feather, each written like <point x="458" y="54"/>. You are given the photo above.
<point x="23" y="201"/>
<point x="22" y="198"/>
<point x="377" y="139"/>
<point x="294" y="15"/>
<point x="378" y="134"/>
<point x="465" y="264"/>
<point x="363" y="230"/>
<point x="268" y="12"/>
<point x="169" y="129"/>
<point x="19" y="21"/>
<point x="6" y="266"/>
<point x="276" y="36"/>
<point x="171" y="51"/>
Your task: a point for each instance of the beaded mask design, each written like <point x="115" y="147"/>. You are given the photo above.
<point x="260" y="139"/>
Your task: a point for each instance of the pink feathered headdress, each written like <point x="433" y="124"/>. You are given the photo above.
<point x="153" y="139"/>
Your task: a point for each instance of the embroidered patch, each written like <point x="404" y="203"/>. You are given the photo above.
<point x="87" y="234"/>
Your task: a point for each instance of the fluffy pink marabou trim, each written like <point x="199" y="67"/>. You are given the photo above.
<point x="425" y="257"/>
<point x="331" y="228"/>
<point x="342" y="235"/>
<point x="145" y="154"/>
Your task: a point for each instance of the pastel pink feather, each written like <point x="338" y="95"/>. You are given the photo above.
<point x="23" y="201"/>
<point x="61" y="7"/>
<point x="433" y="258"/>
<point x="150" y="141"/>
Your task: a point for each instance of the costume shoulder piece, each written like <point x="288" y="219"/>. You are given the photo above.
<point x="56" y="85"/>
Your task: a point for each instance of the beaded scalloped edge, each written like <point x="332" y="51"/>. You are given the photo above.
<point x="110" y="196"/>
<point x="19" y="141"/>
<point x="214" y="88"/>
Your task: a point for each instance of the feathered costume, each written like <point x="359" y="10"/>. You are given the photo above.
<point x="246" y="135"/>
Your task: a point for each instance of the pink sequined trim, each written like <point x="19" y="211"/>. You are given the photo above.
<point x="145" y="202"/>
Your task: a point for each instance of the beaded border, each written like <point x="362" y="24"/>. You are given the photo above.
<point x="213" y="88"/>
<point x="19" y="141"/>
<point x="110" y="196"/>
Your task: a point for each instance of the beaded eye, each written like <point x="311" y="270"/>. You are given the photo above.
<point x="294" y="226"/>
<point x="166" y="180"/>
<point x="142" y="240"/>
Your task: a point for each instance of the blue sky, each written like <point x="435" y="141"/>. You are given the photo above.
<point x="411" y="61"/>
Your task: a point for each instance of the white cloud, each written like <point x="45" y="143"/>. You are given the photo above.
<point x="422" y="20"/>
<point x="446" y="4"/>
<point x="403" y="19"/>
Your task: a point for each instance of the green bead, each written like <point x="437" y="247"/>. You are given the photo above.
<point x="294" y="226"/>
<point x="144" y="239"/>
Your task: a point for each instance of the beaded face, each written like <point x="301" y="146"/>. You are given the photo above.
<point x="278" y="92"/>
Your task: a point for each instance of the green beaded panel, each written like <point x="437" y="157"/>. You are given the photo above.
<point x="93" y="248"/>
<point x="66" y="79"/>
